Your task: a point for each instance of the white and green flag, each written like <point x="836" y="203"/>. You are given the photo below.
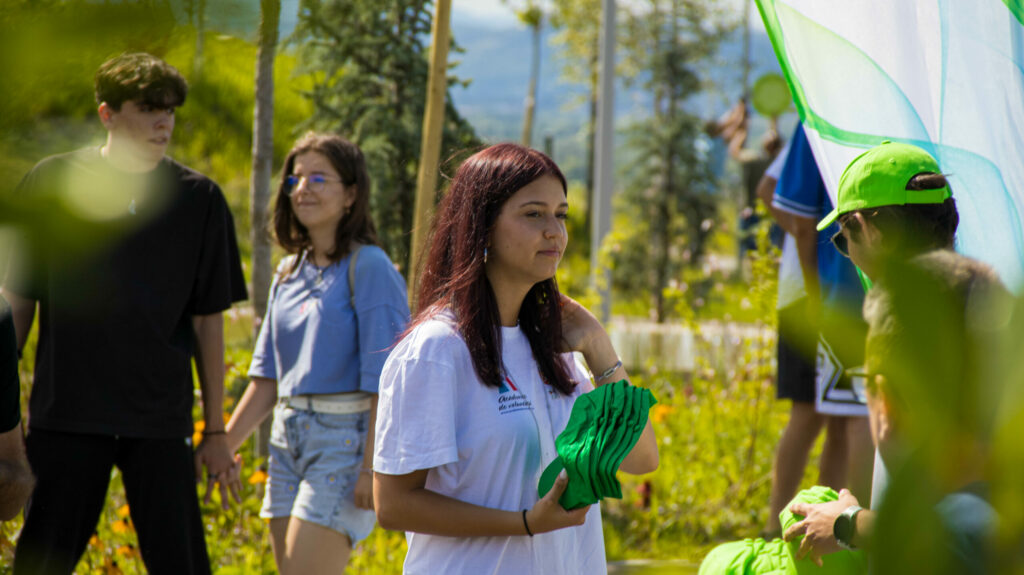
<point x="946" y="75"/>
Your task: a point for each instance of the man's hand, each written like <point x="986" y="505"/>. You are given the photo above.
<point x="816" y="527"/>
<point x="221" y="468"/>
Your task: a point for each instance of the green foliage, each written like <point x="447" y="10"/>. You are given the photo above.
<point x="52" y="110"/>
<point x="671" y="187"/>
<point x="368" y="66"/>
<point x="717" y="431"/>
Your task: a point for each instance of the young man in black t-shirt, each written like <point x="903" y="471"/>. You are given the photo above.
<point x="131" y="276"/>
<point x="15" y="477"/>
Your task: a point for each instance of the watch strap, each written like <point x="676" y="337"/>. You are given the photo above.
<point x="845" y="527"/>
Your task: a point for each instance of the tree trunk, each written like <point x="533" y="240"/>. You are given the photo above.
<point x="262" y="164"/>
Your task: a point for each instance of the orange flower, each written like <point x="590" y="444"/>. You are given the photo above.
<point x="120" y="527"/>
<point x="197" y="432"/>
<point x="661" y="412"/>
<point x="94" y="541"/>
<point x="123" y="511"/>
<point x="127" y="551"/>
<point x="259" y="476"/>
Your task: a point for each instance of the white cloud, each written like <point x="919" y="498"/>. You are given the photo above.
<point x="493" y="11"/>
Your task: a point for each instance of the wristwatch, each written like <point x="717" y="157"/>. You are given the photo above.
<point x="845" y="527"/>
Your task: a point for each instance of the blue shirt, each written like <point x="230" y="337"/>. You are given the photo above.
<point x="802" y="192"/>
<point x="970" y="521"/>
<point x="313" y="342"/>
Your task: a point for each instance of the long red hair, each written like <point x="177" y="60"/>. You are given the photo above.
<point x="453" y="277"/>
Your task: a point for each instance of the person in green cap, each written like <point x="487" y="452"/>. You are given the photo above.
<point x="893" y="203"/>
<point x="475" y="393"/>
<point x="928" y="315"/>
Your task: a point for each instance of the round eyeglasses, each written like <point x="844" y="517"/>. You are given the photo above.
<point x="314" y="183"/>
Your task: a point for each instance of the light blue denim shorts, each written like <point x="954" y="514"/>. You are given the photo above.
<point x="315" y="460"/>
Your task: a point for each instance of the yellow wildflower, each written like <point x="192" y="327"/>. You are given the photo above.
<point x="197" y="432"/>
<point x="259" y="476"/>
<point x="123" y="511"/>
<point x="120" y="527"/>
<point x="127" y="551"/>
<point x="661" y="412"/>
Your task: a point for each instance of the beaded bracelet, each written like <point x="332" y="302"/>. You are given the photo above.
<point x="607" y="373"/>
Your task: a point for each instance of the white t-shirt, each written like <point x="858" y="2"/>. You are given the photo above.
<point x="481" y="445"/>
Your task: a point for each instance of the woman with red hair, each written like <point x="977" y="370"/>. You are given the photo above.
<point x="474" y="395"/>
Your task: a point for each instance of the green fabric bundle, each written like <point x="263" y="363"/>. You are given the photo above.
<point x="777" y="557"/>
<point x="749" y="557"/>
<point x="603" y="427"/>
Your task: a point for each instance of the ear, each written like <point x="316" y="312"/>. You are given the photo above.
<point x="885" y="408"/>
<point x="350" y="197"/>
<point x="106" y="114"/>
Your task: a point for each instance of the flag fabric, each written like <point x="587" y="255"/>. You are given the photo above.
<point x="945" y="75"/>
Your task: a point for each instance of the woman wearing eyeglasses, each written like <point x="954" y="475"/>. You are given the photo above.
<point x="328" y="328"/>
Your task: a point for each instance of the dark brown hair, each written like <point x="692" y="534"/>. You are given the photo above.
<point x="915" y="228"/>
<point x="356" y="226"/>
<point x="139" y="77"/>
<point x="453" y="276"/>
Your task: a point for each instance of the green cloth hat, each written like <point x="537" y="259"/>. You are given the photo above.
<point x="879" y="177"/>
<point x="777" y="557"/>
<point x="603" y="427"/>
<point x="749" y="557"/>
<point x="839" y="563"/>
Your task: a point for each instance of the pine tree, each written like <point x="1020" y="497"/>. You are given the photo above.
<point x="369" y="65"/>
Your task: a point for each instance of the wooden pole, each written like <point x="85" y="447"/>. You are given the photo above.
<point x="430" y="145"/>
<point x="259" y="185"/>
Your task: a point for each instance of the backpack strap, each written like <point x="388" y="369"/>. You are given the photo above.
<point x="352" y="274"/>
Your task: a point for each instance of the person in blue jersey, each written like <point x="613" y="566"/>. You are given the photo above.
<point x="335" y="309"/>
<point x="834" y="299"/>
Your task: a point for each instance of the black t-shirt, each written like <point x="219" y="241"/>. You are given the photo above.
<point x="10" y="387"/>
<point x="119" y="270"/>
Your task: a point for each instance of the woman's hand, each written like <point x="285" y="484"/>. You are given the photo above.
<point x="549" y="515"/>
<point x="579" y="327"/>
<point x="363" y="493"/>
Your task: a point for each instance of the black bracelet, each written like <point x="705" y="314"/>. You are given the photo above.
<point x="526" y="525"/>
<point x="217" y="432"/>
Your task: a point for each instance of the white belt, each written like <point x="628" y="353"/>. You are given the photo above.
<point x="347" y="403"/>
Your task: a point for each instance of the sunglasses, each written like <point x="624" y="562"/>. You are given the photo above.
<point x="841" y="243"/>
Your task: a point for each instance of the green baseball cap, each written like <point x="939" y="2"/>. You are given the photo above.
<point x="879" y="177"/>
